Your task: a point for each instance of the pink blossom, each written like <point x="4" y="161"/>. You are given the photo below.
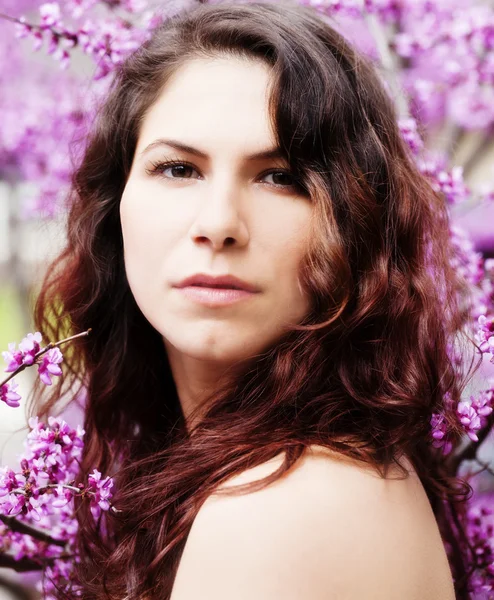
<point x="469" y="419"/>
<point x="100" y="490"/>
<point x="466" y="261"/>
<point x="483" y="404"/>
<point x="64" y="496"/>
<point x="485" y="336"/>
<point x="409" y="132"/>
<point x="30" y="346"/>
<point x="49" y="365"/>
<point x="449" y="182"/>
<point x="25" y="355"/>
<point x="13" y="358"/>
<point x="439" y="433"/>
<point x="41" y="493"/>
<point x="480" y="531"/>
<point x="77" y="8"/>
<point x="10" y="481"/>
<point x="9" y="395"/>
<point x="50" y="14"/>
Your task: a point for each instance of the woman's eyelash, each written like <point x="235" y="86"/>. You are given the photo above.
<point x="157" y="167"/>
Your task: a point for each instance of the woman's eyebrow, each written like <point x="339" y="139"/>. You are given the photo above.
<point x="263" y="155"/>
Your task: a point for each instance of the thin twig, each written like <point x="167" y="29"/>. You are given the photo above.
<point x="470" y="451"/>
<point x="9" y="18"/>
<point x="43" y="351"/>
<point x="65" y="486"/>
<point x="485" y="467"/>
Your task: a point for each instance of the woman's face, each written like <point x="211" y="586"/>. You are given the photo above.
<point x="218" y="212"/>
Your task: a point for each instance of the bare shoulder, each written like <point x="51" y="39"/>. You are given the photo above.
<point x="331" y="528"/>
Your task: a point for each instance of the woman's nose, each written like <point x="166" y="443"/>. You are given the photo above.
<point x="219" y="222"/>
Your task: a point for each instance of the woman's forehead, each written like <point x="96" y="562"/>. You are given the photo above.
<point x="213" y="105"/>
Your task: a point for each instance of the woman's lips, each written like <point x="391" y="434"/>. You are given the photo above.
<point x="214" y="296"/>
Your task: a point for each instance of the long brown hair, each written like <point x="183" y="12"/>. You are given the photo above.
<point x="361" y="375"/>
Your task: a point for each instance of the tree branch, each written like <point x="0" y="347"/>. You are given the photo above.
<point x="25" y="564"/>
<point x="43" y="351"/>
<point x="389" y="62"/>
<point x="470" y="451"/>
<point x="7" y="561"/>
<point x="485" y="467"/>
<point x="25" y="529"/>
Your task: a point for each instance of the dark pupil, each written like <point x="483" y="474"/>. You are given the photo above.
<point x="180" y="170"/>
<point x="277" y="175"/>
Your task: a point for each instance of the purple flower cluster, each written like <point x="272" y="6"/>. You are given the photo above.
<point x="480" y="529"/>
<point x="106" y="41"/>
<point x="26" y="355"/>
<point x="469" y="265"/>
<point x="449" y="47"/>
<point x="47" y="110"/>
<point x="409" y="131"/>
<point x="51" y="459"/>
<point x="9" y="395"/>
<point x="449" y="182"/>
<point x="471" y="414"/>
<point x="100" y="492"/>
<point x="29" y="353"/>
<point x="41" y="493"/>
<point x="439" y="433"/>
<point x="40" y="118"/>
<point x="485" y="336"/>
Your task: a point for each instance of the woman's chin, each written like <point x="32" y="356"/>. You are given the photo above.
<point x="219" y="350"/>
<point x="218" y="353"/>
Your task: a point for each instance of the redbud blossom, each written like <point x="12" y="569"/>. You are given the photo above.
<point x="9" y="395"/>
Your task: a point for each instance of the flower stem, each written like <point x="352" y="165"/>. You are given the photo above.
<point x="43" y="351"/>
<point x="9" y="18"/>
<point x="65" y="486"/>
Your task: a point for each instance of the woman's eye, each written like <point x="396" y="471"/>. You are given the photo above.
<point x="176" y="170"/>
<point x="281" y="179"/>
<point x="181" y="170"/>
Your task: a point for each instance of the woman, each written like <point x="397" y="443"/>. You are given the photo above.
<point x="266" y="276"/>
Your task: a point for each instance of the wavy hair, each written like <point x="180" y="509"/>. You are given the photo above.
<point x="361" y="375"/>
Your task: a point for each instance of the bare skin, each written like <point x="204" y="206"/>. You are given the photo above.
<point x="329" y="529"/>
